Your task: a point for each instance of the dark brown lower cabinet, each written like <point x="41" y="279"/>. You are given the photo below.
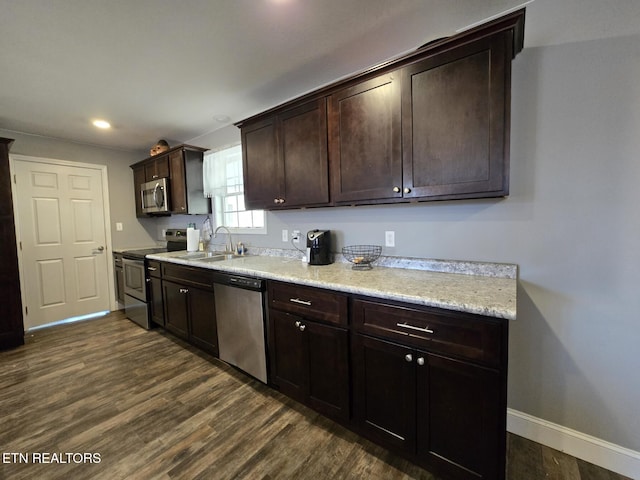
<point x="155" y="301"/>
<point x="309" y="362"/>
<point x="176" y="309"/>
<point x="441" y="412"/>
<point x="190" y="313"/>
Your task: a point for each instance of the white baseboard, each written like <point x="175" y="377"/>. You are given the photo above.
<point x="590" y="449"/>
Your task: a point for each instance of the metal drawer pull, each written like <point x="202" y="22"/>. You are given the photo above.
<point x="301" y="302"/>
<point x="420" y="361"/>
<point x="184" y="290"/>
<point x="408" y="357"/>
<point x="152" y="269"/>
<point x="411" y="327"/>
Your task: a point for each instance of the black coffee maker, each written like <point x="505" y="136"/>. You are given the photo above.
<point x="319" y="247"/>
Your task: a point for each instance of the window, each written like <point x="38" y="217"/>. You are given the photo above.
<point x="223" y="183"/>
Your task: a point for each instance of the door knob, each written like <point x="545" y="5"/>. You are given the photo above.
<point x="420" y="361"/>
<point x="396" y="189"/>
<point x="101" y="248"/>
<point x="408" y="357"/>
<point x="302" y="327"/>
<point x="407" y="190"/>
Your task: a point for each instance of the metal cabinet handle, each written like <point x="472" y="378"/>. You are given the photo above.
<point x="302" y="327"/>
<point x="275" y="200"/>
<point x="184" y="290"/>
<point x="408" y="357"/>
<point x="411" y="327"/>
<point x="420" y="361"/>
<point x="298" y="324"/>
<point x="152" y="269"/>
<point x="301" y="302"/>
<point x="396" y="189"/>
<point x="407" y="190"/>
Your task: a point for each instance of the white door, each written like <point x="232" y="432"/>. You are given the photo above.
<point x="61" y="229"/>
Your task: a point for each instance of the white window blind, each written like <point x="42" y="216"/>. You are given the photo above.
<point x="223" y="184"/>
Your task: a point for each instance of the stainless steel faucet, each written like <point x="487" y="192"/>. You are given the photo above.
<point x="230" y="246"/>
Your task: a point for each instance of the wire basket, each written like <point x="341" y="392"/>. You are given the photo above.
<point x="362" y="256"/>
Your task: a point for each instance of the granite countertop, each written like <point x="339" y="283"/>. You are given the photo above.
<point x="479" y="294"/>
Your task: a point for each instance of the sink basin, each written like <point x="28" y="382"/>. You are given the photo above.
<point x="217" y="257"/>
<point x="198" y="255"/>
<point x="207" y="256"/>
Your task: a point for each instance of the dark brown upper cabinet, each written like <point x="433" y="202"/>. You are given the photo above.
<point x="432" y="125"/>
<point x="182" y="165"/>
<point x="285" y="158"/>
<point x="156" y="168"/>
<point x="455" y="133"/>
<point x="365" y="140"/>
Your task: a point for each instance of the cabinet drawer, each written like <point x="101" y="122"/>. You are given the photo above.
<point x="309" y="302"/>
<point x="200" y="277"/>
<point x="153" y="268"/>
<point x="451" y="333"/>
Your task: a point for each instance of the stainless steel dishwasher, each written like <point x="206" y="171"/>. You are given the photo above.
<point x="240" y="319"/>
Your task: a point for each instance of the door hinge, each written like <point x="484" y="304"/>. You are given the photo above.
<point x="14" y="179"/>
<point x="26" y="310"/>
<point x="20" y="245"/>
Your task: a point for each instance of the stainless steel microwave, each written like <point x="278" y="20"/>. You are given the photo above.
<point x="155" y="196"/>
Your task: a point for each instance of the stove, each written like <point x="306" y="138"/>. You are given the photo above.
<point x="176" y="240"/>
<point x="135" y="276"/>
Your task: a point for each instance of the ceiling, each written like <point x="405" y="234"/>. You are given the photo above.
<point x="181" y="69"/>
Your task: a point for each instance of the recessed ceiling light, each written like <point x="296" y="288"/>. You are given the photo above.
<point x="101" y="124"/>
<point x="221" y="118"/>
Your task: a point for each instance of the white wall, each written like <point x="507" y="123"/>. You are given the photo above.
<point x="572" y="223"/>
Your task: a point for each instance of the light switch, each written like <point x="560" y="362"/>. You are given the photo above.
<point x="119" y="226"/>
<point x="285" y="235"/>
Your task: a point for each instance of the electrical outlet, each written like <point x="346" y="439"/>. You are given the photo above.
<point x="118" y="226"/>
<point x="285" y="235"/>
<point x="389" y="238"/>
<point x="296" y="236"/>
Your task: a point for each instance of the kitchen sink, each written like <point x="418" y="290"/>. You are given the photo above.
<point x="216" y="257"/>
<point x="198" y="255"/>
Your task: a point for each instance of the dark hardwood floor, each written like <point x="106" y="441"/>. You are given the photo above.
<point x="105" y="399"/>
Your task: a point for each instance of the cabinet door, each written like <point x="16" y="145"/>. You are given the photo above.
<point x="138" y="180"/>
<point x="176" y="308"/>
<point x="459" y="418"/>
<point x="288" y="356"/>
<point x="365" y="140"/>
<point x="178" y="182"/>
<point x="384" y="394"/>
<point x="455" y="122"/>
<point x="262" y="169"/>
<point x="303" y="141"/>
<point x="155" y="301"/>
<point x="157" y="168"/>
<point x="202" y="317"/>
<point x="328" y="369"/>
